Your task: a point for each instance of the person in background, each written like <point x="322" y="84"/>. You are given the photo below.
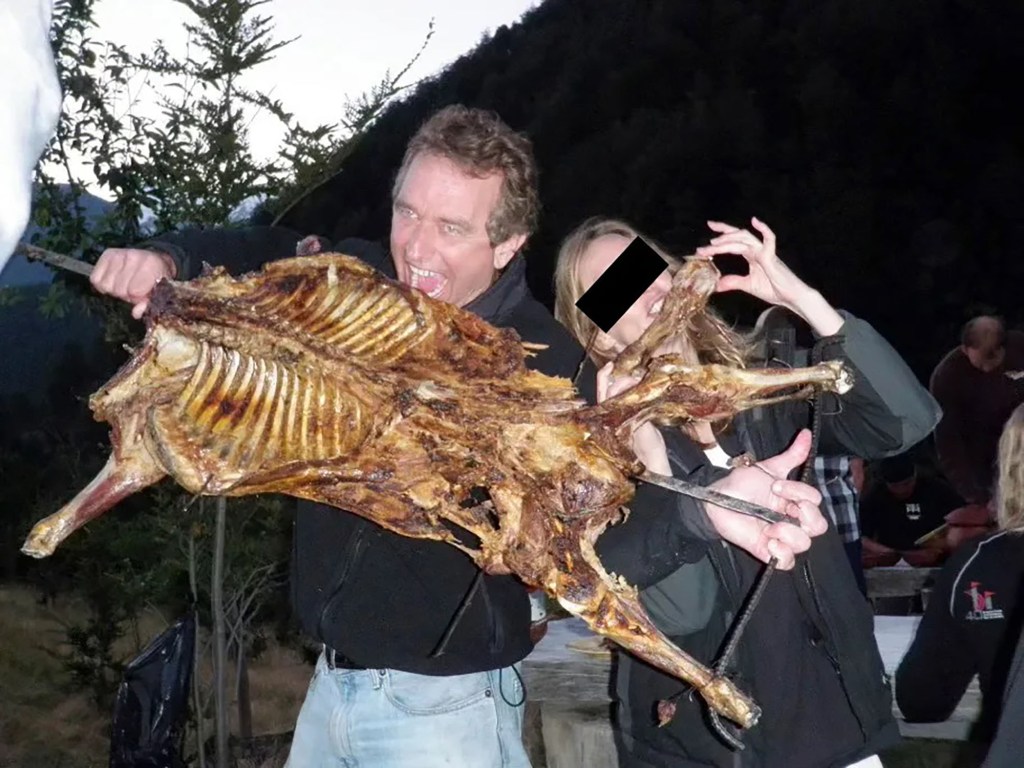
<point x="973" y="620"/>
<point x="30" y="97"/>
<point x="840" y="480"/>
<point x="904" y="507"/>
<point x="977" y="384"/>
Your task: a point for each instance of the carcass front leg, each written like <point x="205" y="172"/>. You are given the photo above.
<point x="612" y="608"/>
<point x="127" y="471"/>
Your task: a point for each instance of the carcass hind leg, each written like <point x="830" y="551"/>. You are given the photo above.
<point x="613" y="609"/>
<point x="122" y="476"/>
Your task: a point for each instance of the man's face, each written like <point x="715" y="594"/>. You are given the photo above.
<point x="439" y="236"/>
<point x="986" y="360"/>
<point x="903" y="489"/>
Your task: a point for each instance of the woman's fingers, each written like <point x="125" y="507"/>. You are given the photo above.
<point x="622" y="384"/>
<point x="721" y="226"/>
<point x="607" y="386"/>
<point x="812" y="521"/>
<point x="794" y="537"/>
<point x="796" y="491"/>
<point x="785" y="541"/>
<point x="732" y="283"/>
<point x="783" y="554"/>
<point x="766" y="233"/>
<point x="733" y="246"/>
<point x="743" y="237"/>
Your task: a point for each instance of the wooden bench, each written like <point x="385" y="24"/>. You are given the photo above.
<point x="898" y="581"/>
<point x="568" y="694"/>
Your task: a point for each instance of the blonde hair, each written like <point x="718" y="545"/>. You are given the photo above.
<point x="1010" y="489"/>
<point x="712" y="339"/>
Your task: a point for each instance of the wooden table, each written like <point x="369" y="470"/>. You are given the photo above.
<point x="560" y="680"/>
<point x="898" y="581"/>
<point x="894" y="635"/>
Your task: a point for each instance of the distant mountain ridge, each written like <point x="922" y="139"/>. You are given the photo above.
<point x="32" y="344"/>
<point x="21" y="271"/>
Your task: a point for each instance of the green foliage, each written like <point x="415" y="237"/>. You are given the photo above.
<point x="255" y="561"/>
<point x="9" y="297"/>
<point x="55" y="303"/>
<point x="92" y="663"/>
<point x="199" y="156"/>
<point x="315" y="155"/>
<point x="191" y="166"/>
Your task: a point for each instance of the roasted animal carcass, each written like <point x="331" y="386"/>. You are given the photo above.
<point x="320" y="378"/>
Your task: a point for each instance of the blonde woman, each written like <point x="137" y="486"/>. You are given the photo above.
<point x="973" y="620"/>
<point x="809" y="655"/>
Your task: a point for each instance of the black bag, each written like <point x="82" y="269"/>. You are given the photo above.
<point x="152" y="701"/>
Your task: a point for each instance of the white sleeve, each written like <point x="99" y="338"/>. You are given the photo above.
<point x="31" y="99"/>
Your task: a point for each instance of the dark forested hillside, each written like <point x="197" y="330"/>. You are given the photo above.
<point x="32" y="344"/>
<point x="879" y="139"/>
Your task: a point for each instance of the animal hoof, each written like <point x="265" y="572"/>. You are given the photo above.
<point x="41" y="541"/>
<point x="844" y="378"/>
<point x="725" y="698"/>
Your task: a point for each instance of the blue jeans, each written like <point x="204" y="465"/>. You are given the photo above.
<point x="383" y="718"/>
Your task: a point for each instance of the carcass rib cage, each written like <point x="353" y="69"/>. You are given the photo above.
<point x="320" y="378"/>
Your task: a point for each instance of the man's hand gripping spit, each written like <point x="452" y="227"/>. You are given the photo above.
<point x="130" y="274"/>
<point x="764" y="484"/>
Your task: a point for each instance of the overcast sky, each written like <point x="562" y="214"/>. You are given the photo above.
<point x="343" y="47"/>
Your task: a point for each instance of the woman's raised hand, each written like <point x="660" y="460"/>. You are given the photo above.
<point x="769" y="279"/>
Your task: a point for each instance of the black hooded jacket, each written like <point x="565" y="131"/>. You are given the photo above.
<point x="970" y="627"/>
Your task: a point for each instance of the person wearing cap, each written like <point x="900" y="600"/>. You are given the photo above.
<point x="903" y="507"/>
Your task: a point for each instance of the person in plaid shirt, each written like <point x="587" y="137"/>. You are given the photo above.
<point x="840" y="479"/>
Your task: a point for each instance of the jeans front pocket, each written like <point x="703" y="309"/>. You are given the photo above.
<point x="429" y="695"/>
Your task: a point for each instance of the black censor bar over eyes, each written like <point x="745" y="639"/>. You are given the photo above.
<point x="625" y="281"/>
